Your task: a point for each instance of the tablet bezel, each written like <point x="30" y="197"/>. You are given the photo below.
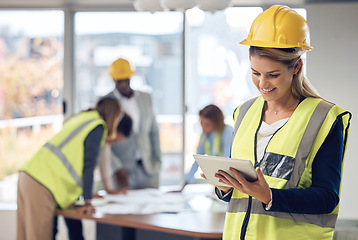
<point x="212" y="164"/>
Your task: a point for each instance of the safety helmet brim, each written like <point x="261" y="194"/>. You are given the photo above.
<point x="279" y="27"/>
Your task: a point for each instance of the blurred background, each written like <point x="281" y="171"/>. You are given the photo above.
<point x="55" y="57"/>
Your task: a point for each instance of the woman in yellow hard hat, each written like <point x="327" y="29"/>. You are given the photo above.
<point x="295" y="139"/>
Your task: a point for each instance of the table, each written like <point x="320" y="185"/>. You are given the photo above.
<point x="189" y="224"/>
<point x="173" y="226"/>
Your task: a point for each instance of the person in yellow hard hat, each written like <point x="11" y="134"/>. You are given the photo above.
<point x="294" y="138"/>
<point x="135" y="161"/>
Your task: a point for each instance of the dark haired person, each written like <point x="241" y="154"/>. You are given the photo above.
<point x="215" y="138"/>
<point x="138" y="158"/>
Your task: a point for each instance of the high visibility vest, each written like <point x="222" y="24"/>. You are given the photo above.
<point x="214" y="148"/>
<point x="58" y="165"/>
<point x="293" y="147"/>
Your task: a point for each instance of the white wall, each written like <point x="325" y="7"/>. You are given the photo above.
<point x="7" y="224"/>
<point x="332" y="67"/>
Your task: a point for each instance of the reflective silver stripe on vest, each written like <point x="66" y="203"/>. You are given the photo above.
<point x="304" y="148"/>
<point x="322" y="220"/>
<point x="243" y="109"/>
<point x="58" y="152"/>
<point x="308" y="138"/>
<point x="74" y="133"/>
<point x="70" y="169"/>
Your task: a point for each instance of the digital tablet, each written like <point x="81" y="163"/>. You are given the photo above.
<point x="212" y="164"/>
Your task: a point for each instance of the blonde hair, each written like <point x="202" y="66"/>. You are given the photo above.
<point x="300" y="87"/>
<point x="110" y="110"/>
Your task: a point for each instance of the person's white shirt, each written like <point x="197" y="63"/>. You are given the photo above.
<point x="131" y="107"/>
<point x="265" y="133"/>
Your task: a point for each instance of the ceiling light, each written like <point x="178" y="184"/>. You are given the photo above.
<point x="178" y="5"/>
<point x="213" y="5"/>
<point x="148" y="5"/>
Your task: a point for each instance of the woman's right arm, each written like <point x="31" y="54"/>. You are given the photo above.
<point x="225" y="196"/>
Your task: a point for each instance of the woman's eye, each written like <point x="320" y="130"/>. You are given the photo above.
<point x="274" y="75"/>
<point x="256" y="73"/>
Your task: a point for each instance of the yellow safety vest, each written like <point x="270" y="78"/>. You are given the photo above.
<point x="215" y="147"/>
<point x="294" y="146"/>
<point x="58" y="165"/>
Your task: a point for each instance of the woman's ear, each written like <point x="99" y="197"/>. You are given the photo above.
<point x="297" y="67"/>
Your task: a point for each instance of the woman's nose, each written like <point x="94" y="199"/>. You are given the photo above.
<point x="263" y="83"/>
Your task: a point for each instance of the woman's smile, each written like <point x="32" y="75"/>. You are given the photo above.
<point x="266" y="91"/>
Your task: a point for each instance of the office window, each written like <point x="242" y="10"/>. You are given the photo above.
<point x="218" y="67"/>
<point x="152" y="43"/>
<point x="31" y="82"/>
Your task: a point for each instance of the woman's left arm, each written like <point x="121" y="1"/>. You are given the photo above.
<point x="91" y="151"/>
<point x="323" y="196"/>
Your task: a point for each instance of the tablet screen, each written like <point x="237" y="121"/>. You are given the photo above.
<point x="212" y="164"/>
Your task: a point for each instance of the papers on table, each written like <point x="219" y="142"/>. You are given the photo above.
<point x="130" y="208"/>
<point x="148" y="195"/>
<point x="143" y="201"/>
<point x="150" y="201"/>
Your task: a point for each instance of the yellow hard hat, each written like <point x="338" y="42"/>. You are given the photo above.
<point x="121" y="69"/>
<point x="279" y="27"/>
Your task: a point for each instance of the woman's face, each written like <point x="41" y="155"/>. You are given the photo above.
<point x="272" y="78"/>
<point x="207" y="125"/>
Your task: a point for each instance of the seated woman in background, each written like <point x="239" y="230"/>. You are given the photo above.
<point x="215" y="139"/>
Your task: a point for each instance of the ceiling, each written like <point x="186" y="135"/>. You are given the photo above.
<point x="128" y="4"/>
